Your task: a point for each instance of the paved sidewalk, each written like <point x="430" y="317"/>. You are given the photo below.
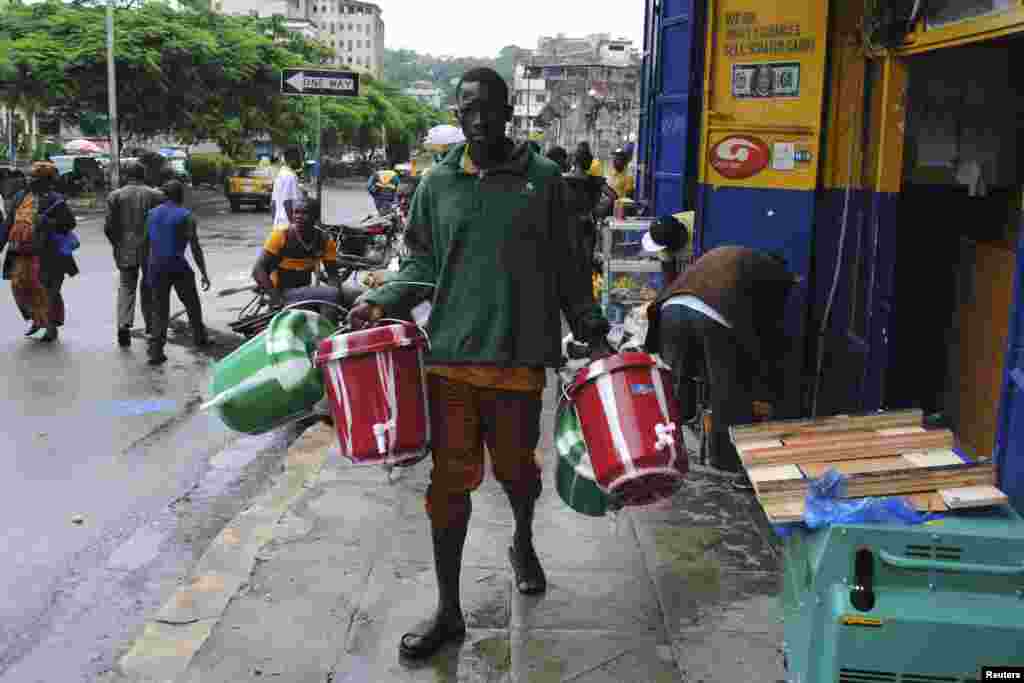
<point x="319" y="578"/>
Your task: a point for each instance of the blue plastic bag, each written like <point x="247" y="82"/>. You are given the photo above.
<point x="68" y="243"/>
<point x="825" y="506"/>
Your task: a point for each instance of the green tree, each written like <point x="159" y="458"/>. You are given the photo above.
<point x="505" y="64"/>
<point x="198" y="74"/>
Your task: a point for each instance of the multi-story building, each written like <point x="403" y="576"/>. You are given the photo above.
<point x="427" y="93"/>
<point x="354" y="30"/>
<point x="576" y="89"/>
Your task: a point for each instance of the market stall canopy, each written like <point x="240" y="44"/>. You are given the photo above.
<point x="444" y="135"/>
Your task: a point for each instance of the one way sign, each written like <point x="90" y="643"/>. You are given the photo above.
<point x="319" y="82"/>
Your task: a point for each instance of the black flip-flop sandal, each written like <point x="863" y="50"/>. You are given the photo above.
<point x="530" y="579"/>
<point x="424" y="645"/>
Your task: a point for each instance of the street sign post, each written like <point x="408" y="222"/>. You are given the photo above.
<point x="319" y="82"/>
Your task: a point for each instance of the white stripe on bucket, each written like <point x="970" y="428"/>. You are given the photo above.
<point x="292" y="372"/>
<point x="341" y="391"/>
<point x="659" y="391"/>
<point x="606" y="390"/>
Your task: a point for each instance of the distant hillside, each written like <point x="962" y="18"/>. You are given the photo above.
<point x="405" y="67"/>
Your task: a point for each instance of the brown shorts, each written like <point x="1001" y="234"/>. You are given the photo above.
<point x="463" y="419"/>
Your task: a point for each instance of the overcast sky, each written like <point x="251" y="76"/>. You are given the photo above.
<point x="465" y="28"/>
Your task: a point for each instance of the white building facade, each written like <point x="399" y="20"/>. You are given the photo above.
<point x="354" y="31"/>
<point x="575" y="89"/>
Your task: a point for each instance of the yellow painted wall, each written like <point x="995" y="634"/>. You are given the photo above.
<point x="997" y="25"/>
<point x="787" y="35"/>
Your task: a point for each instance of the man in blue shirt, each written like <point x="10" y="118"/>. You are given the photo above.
<point x="170" y="228"/>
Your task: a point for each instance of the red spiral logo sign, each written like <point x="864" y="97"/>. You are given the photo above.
<point x="740" y="156"/>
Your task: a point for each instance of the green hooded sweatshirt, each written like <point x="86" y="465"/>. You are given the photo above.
<point x="505" y="255"/>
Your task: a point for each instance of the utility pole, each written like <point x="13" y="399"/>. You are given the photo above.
<point x="319" y="155"/>
<point x="12" y="151"/>
<point x="115" y="145"/>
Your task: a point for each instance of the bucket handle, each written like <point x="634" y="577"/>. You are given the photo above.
<point x="565" y="385"/>
<point x="422" y="330"/>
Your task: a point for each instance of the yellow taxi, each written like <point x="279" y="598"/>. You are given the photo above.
<point x="249" y="184"/>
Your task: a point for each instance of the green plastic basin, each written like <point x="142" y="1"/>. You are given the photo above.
<point x="271" y="380"/>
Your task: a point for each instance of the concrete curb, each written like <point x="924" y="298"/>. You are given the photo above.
<point x="171" y="639"/>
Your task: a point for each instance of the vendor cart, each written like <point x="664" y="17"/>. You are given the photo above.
<point x="902" y="562"/>
<point x="631" y="278"/>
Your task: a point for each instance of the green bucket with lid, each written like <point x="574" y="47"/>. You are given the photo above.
<point x="271" y="379"/>
<point x="574" y="475"/>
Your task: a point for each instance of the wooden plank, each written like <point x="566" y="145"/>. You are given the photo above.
<point x="973" y="496"/>
<point x="758" y="475"/>
<point x="900" y="431"/>
<point x="868" y="446"/>
<point x="816" y="469"/>
<point x="786" y="511"/>
<point x="779" y="428"/>
<point x="792" y="510"/>
<point x="927" y="502"/>
<point x="894" y="482"/>
<point x="762" y="444"/>
<point x="846" y="436"/>
<point x="936" y="458"/>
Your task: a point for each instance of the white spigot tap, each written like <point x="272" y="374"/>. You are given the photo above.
<point x="380" y="432"/>
<point x="665" y="436"/>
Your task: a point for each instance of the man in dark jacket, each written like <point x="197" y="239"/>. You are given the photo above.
<point x="731" y="304"/>
<point x="38" y="224"/>
<point x="490" y="227"/>
<point x="170" y="228"/>
<point x="126" y="230"/>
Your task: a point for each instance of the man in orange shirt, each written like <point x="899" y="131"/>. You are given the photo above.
<point x="291" y="255"/>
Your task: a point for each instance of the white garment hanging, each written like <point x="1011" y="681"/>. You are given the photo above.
<point x="968" y="173"/>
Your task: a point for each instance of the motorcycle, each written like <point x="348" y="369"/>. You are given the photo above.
<point x="333" y="303"/>
<point x="370" y="244"/>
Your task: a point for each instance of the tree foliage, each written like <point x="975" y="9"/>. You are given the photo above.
<point x="405" y="67"/>
<point x="181" y="70"/>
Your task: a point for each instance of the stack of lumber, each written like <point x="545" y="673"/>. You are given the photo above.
<point x="881" y="454"/>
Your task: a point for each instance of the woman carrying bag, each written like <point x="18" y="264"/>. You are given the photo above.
<point x="38" y="232"/>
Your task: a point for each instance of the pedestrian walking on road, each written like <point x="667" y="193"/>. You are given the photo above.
<point x="560" y="157"/>
<point x="286" y="191"/>
<point x="490" y="226"/>
<point x="170" y="228"/>
<point x="619" y="178"/>
<point x="383" y="188"/>
<point x="125" y="228"/>
<point x="38" y="233"/>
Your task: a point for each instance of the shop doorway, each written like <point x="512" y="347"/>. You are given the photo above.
<point x="956" y="238"/>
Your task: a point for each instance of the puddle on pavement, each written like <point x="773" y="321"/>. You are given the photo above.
<point x="141" y="407"/>
<point x="685" y="551"/>
<point x="542" y="665"/>
<point x="496" y="651"/>
<point x="141" y="549"/>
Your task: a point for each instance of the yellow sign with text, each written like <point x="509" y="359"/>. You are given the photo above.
<point x="765" y="83"/>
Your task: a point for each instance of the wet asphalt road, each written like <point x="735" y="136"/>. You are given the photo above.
<point x="92" y="434"/>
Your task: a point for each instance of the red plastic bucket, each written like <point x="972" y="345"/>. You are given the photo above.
<point x="377" y="393"/>
<point x="630" y="421"/>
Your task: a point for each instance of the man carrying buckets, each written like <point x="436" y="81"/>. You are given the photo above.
<point x="489" y="225"/>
